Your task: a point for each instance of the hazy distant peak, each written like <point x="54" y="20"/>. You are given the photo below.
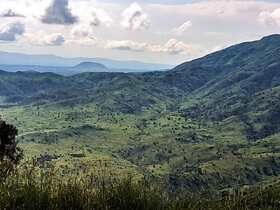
<point x="88" y="65"/>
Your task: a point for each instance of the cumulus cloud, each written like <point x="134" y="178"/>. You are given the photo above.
<point x="95" y="20"/>
<point x="11" y="31"/>
<point x="172" y="46"/>
<point x="82" y="35"/>
<point x="40" y="38"/>
<point x="84" y="32"/>
<point x="270" y="18"/>
<point x="126" y="45"/>
<point x="54" y="40"/>
<point x="81" y="31"/>
<point x="100" y="17"/>
<point x="134" y="18"/>
<point x="182" y="28"/>
<point x="59" y="13"/>
<point x="10" y="13"/>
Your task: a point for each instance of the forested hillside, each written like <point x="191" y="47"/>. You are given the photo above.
<point x="210" y="123"/>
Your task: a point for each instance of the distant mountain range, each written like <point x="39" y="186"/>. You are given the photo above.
<point x="52" y="61"/>
<point x="72" y="70"/>
<point x="62" y="70"/>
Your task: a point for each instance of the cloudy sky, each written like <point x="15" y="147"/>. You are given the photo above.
<point x="161" y="31"/>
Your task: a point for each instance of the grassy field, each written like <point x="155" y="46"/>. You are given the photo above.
<point x="30" y="187"/>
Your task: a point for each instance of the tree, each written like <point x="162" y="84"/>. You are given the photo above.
<point x="10" y="154"/>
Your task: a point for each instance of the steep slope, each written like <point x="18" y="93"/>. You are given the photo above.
<point x="248" y="58"/>
<point x="248" y="80"/>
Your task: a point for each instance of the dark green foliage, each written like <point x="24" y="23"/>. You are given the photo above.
<point x="8" y="145"/>
<point x="10" y="154"/>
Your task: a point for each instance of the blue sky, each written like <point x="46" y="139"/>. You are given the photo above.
<point x="159" y="31"/>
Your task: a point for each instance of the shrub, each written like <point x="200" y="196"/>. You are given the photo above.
<point x="30" y="187"/>
<point x="10" y="154"/>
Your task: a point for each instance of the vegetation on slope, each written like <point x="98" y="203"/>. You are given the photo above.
<point x="209" y="123"/>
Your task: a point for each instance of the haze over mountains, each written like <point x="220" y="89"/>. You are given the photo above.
<point x="40" y="63"/>
<point x="66" y="71"/>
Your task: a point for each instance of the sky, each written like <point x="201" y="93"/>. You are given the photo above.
<point x="158" y="31"/>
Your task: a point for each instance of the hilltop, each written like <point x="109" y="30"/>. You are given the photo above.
<point x="90" y="65"/>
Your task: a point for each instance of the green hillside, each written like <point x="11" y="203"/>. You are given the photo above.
<point x="212" y="123"/>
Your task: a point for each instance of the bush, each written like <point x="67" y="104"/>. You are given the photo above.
<point x="10" y="154"/>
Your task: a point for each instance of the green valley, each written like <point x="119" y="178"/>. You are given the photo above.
<point x="212" y="123"/>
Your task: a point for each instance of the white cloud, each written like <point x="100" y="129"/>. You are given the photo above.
<point x="134" y="18"/>
<point x="81" y="31"/>
<point x="126" y="45"/>
<point x="100" y="17"/>
<point x="11" y="31"/>
<point x="40" y="38"/>
<point x="82" y="35"/>
<point x="54" y="40"/>
<point x="173" y="47"/>
<point x="182" y="28"/>
<point x="270" y="18"/>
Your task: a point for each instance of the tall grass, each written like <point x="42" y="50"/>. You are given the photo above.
<point x="30" y="187"/>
